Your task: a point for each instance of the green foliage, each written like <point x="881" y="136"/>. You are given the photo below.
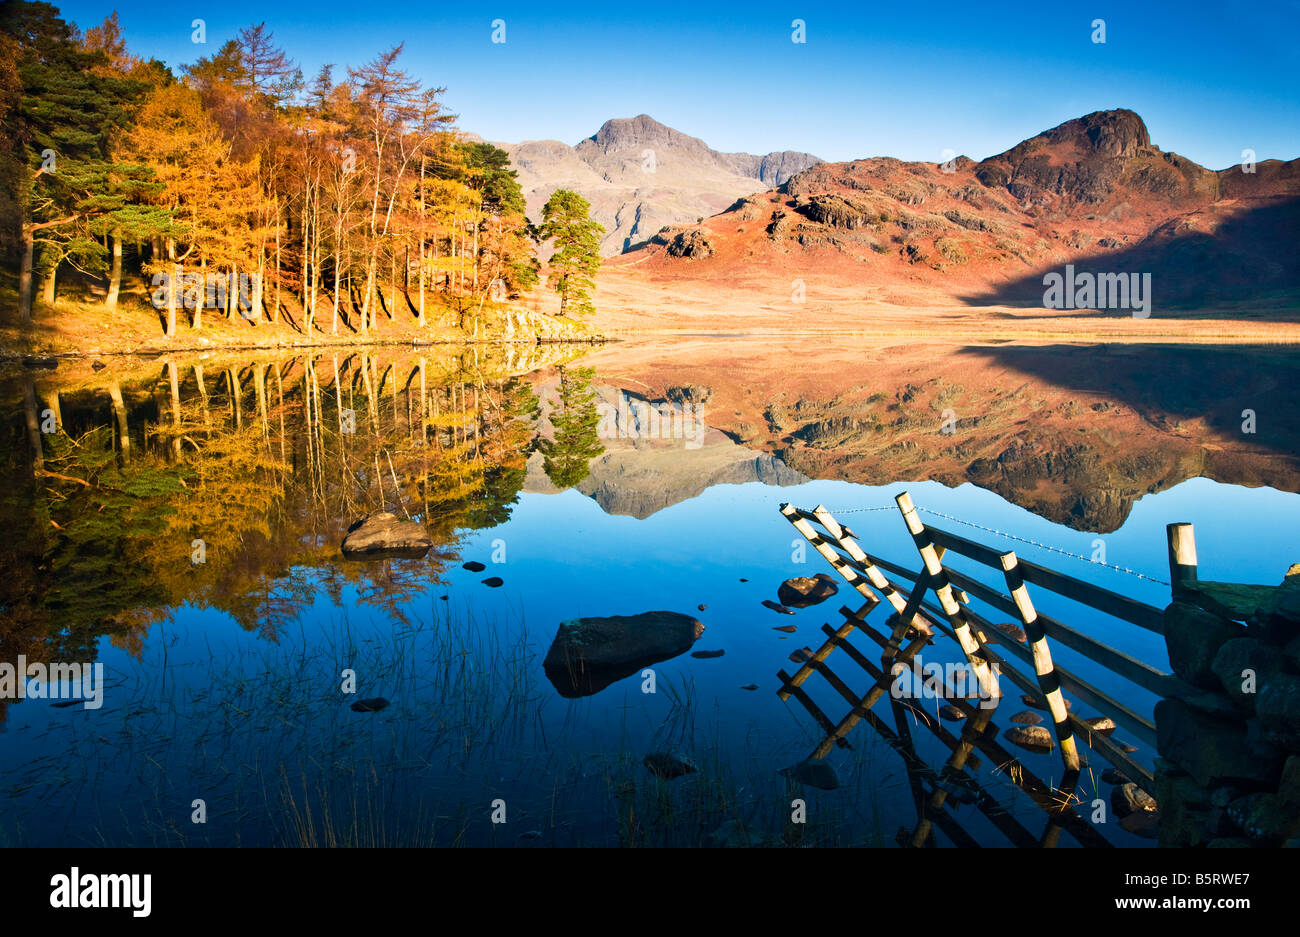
<point x="566" y="220"/>
<point x="576" y="442"/>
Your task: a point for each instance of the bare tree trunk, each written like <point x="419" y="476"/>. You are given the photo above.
<point x="123" y="431"/>
<point x="115" y="272"/>
<point x="33" y="424"/>
<point x="25" y="276"/>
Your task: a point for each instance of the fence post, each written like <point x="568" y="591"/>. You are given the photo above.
<point x="1182" y="558"/>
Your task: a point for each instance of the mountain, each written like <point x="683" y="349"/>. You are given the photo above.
<point x="640" y="175"/>
<point x="1094" y="192"/>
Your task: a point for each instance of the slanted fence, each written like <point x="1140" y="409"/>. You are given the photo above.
<point x="934" y="600"/>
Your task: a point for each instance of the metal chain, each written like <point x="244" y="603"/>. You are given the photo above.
<point x="1003" y="533"/>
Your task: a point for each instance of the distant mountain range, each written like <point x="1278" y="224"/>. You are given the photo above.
<point x="640" y="175"/>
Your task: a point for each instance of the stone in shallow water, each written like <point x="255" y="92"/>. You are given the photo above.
<point x="951" y="713"/>
<point x="588" y="654"/>
<point x="788" y="629"/>
<point x="801" y="655"/>
<point x="750" y="686"/>
<point x="813" y="772"/>
<point x="384" y="533"/>
<point x="701" y="607"/>
<point x="474" y="566"/>
<point x="370" y="705"/>
<point x="1102" y="725"/>
<point x="805" y="591"/>
<point x="494" y="582"/>
<point x="1129" y="798"/>
<point x="1030" y="738"/>
<point x="705" y="655"/>
<point x="669" y="765"/>
<point x="1027" y="718"/>
<point x="768" y="603"/>
<point x="1014" y="632"/>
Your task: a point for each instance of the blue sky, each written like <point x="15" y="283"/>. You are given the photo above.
<point x="907" y="80"/>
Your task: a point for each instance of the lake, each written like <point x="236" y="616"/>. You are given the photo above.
<point x="179" y="521"/>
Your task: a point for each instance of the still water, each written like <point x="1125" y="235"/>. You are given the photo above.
<point x="179" y="521"/>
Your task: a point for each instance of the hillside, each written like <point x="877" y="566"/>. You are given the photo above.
<point x="640" y="175"/>
<point x="1093" y="192"/>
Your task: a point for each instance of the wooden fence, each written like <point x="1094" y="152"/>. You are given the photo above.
<point x="937" y="602"/>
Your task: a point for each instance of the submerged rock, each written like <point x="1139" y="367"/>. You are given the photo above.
<point x="805" y="591"/>
<point x="788" y="629"/>
<point x="588" y="654"/>
<point x="370" y="705"/>
<point x="474" y="566"/>
<point x="951" y="713"/>
<point x="669" y="765"/>
<point x="386" y="534"/>
<point x="1129" y="798"/>
<point x="701" y="607"/>
<point x="494" y="582"/>
<point x="813" y="772"/>
<point x="1014" y="632"/>
<point x="768" y="603"/>
<point x="801" y="655"/>
<point x="705" y="655"/>
<point x="750" y="686"/>
<point x="1027" y="718"/>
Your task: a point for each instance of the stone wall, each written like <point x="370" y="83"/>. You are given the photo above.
<point x="1229" y="739"/>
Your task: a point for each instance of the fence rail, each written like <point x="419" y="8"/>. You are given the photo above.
<point x="936" y="601"/>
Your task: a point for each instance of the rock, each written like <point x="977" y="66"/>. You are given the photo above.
<point x="706" y="655"/>
<point x="768" y="603"/>
<point x="669" y="765"/>
<point x="1278" y="617"/>
<point x="1014" y="632"/>
<point x="1031" y="738"/>
<point x="692" y="245"/>
<point x="1129" y="798"/>
<point x="445" y="598"/>
<point x="1027" y="718"/>
<point x="1114" y="776"/>
<point x="386" y="534"/>
<point x="920" y="625"/>
<point x="951" y="713"/>
<point x="1102" y="725"/>
<point x="1231" y="600"/>
<point x="1126" y="748"/>
<point x="588" y="654"/>
<point x="1278" y="707"/>
<point x="495" y="582"/>
<point x="1032" y="703"/>
<point x="474" y="566"/>
<point x="701" y="607"/>
<point x="804" y="591"/>
<point x="788" y="629"/>
<point x="370" y="705"/>
<point x="750" y="686"/>
<point x="1243" y="662"/>
<point x="744" y="580"/>
<point x="1292" y="652"/>
<point x="1213" y="702"/>
<point x="1265" y="818"/>
<point x="97" y="366"/>
<point x="1211" y="749"/>
<point x="813" y="772"/>
<point x="801" y="655"/>
<point x="1193" y="637"/>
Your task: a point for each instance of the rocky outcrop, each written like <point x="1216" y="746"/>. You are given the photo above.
<point x="588" y="654"/>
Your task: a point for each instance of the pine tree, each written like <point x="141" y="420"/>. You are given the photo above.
<point x="566" y="219"/>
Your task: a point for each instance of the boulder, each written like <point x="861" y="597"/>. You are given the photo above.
<point x="1193" y="637"/>
<point x="385" y="534"/>
<point x="1211" y="749"/>
<point x="813" y="772"/>
<point x="588" y="654"/>
<point x="805" y="591"/>
<point x="1232" y="600"/>
<point x="669" y="765"/>
<point x="1031" y="738"/>
<point x="1278" y="707"/>
<point x="1278" y="617"/>
<point x="1129" y="798"/>
<point x="1241" y="664"/>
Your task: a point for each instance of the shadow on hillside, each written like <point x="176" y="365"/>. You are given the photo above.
<point x="1171" y="386"/>
<point x="1250" y="258"/>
